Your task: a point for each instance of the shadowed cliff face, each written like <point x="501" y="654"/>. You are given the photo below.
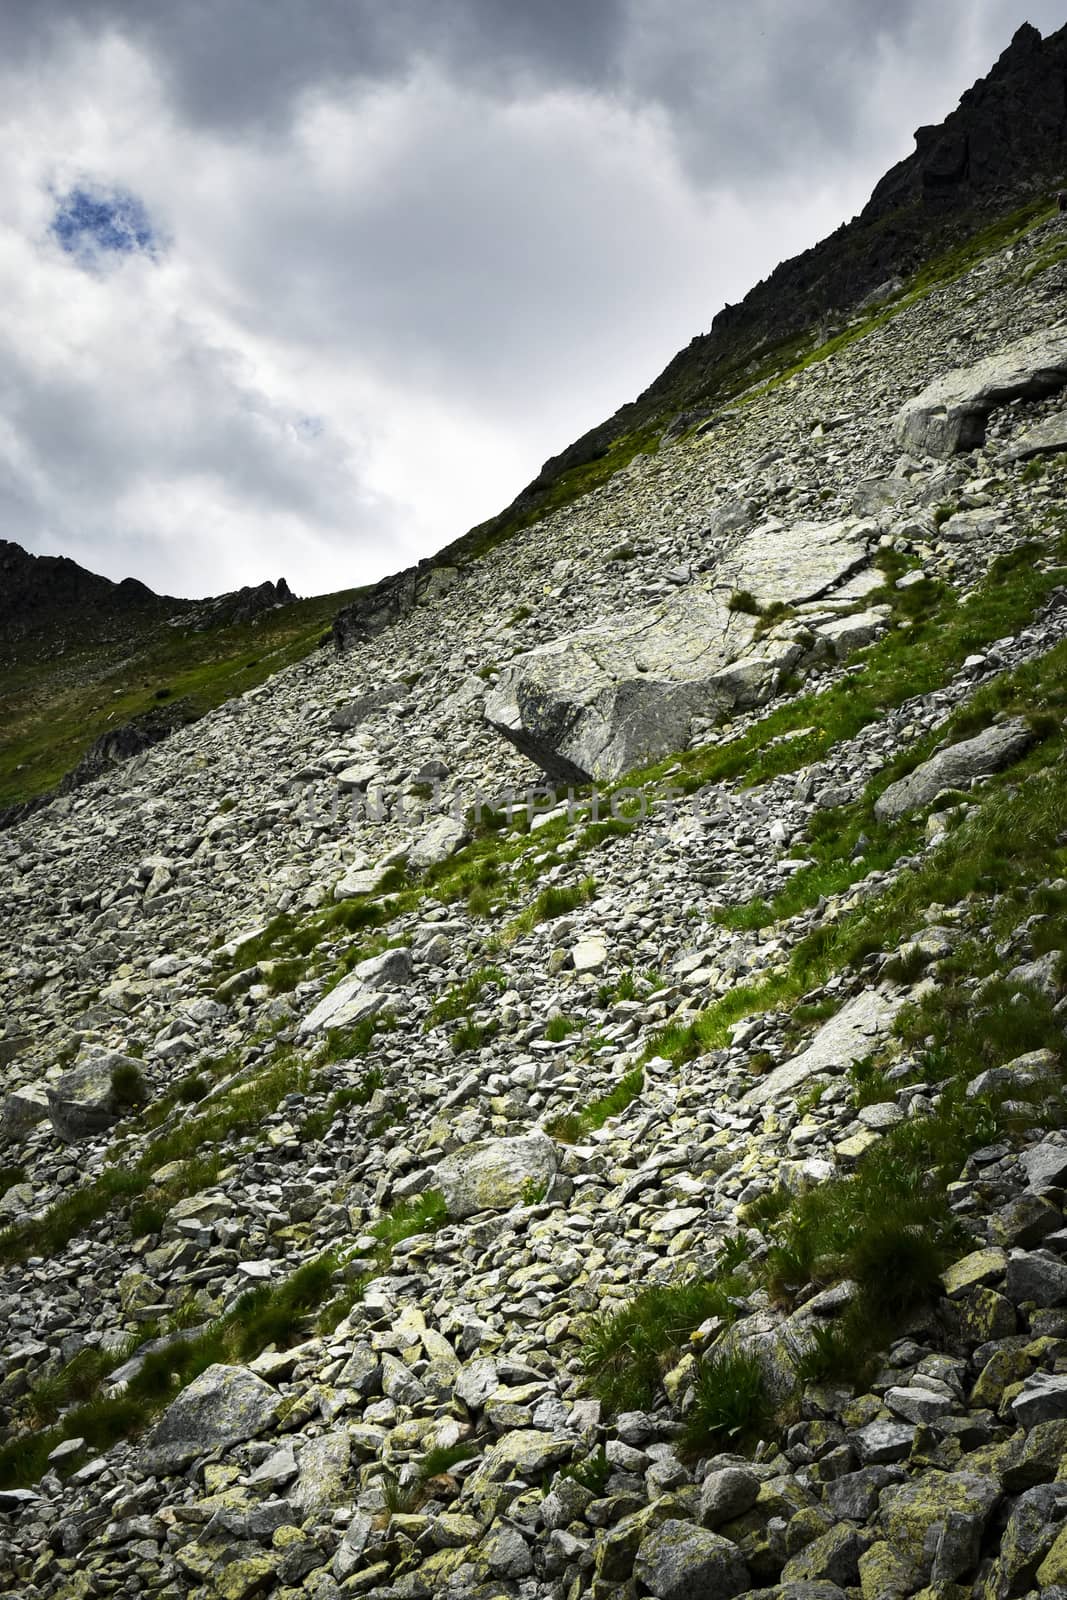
<point x="34" y="588"/>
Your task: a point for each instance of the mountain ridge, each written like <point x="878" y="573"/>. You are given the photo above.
<point x="420" y="1179"/>
<point x="1004" y="143"/>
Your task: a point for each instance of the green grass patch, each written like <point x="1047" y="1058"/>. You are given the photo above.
<point x="626" y="1352"/>
<point x="462" y="997"/>
<point x="573" y="1126"/>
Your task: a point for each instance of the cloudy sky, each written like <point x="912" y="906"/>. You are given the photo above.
<point x="312" y="286"/>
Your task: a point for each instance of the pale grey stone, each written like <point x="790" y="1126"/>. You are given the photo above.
<point x="495" y="1175"/>
<point x="950" y="413"/>
<point x="995" y="747"/>
<point x="351" y="1001"/>
<point x="597" y="703"/>
<point x="845" y="1038"/>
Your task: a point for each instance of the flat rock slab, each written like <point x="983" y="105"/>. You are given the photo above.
<point x="442" y="839"/>
<point x="791" y="564"/>
<point x="950" y="413"/>
<point x="350" y="1002"/>
<point x="222" y="1407"/>
<point x="1047" y="438"/>
<point x="989" y="751"/>
<point x="624" y="692"/>
<point x="846" y="1038"/>
<point x="495" y="1175"/>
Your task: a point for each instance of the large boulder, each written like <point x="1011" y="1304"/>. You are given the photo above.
<point x="844" y="1039"/>
<point x="950" y="413"/>
<point x="84" y="1100"/>
<point x="222" y="1407"/>
<point x="989" y="751"/>
<point x="625" y="691"/>
<point x="682" y="1561"/>
<point x="496" y="1175"/>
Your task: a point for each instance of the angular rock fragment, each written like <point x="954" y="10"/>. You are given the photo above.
<point x="222" y="1407"/>
<point x="682" y="1561"/>
<point x="950" y="413"/>
<point x="989" y="751"/>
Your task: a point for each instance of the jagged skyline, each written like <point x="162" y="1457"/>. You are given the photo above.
<point x="313" y="297"/>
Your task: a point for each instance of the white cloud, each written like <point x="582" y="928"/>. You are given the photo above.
<point x="386" y="296"/>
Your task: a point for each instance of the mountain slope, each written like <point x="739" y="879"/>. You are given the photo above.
<point x="82" y="657"/>
<point x="419" y="1183"/>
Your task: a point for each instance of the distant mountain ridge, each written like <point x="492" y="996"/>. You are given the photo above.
<point x="52" y="601"/>
<point x="1005" y="143"/>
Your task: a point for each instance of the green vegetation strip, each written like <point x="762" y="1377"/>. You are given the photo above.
<point x="270" y="1316"/>
<point x="888" y="1227"/>
<point x="51" y="712"/>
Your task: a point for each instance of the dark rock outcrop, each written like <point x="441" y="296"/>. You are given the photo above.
<point x="378" y="607"/>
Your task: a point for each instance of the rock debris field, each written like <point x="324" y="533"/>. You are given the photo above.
<point x="359" y="1085"/>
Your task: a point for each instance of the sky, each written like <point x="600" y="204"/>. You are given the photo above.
<point x="310" y="287"/>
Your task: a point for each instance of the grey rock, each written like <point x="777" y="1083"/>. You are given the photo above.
<point x="82" y="1102"/>
<point x="566" y="1502"/>
<point x="950" y="413"/>
<point x="323" y="1475"/>
<point x="957" y="1545"/>
<point x="387" y="971"/>
<point x="880" y="1443"/>
<point x="357" y="711"/>
<point x="833" y="1557"/>
<point x="441" y="839"/>
<point x="855" y="1495"/>
<point x="351" y="1001"/>
<point x="1043" y="1398"/>
<point x="1031" y="1529"/>
<point x="1041" y="974"/>
<point x="223" y="1406"/>
<point x="995" y="747"/>
<point x="22" y="1109"/>
<point x="1045" y="1164"/>
<point x="496" y="1175"/>
<point x="1037" y="1277"/>
<point x="1045" y="438"/>
<point x="726" y="1494"/>
<point x="681" y="1561"/>
<point x="508" y="1554"/>
<point x="845" y="1038"/>
<point x="348" y="1557"/>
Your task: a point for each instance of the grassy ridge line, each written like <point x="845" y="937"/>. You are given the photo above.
<point x="51" y="713"/>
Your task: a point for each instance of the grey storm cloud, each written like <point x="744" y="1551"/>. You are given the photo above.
<point x="739" y="83"/>
<point x="311" y="286"/>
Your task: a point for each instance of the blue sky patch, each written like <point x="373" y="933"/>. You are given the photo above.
<point x="91" y="224"/>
